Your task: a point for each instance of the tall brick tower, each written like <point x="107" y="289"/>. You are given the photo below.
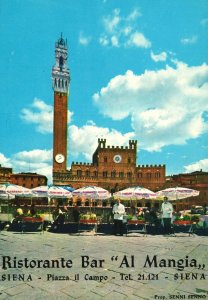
<point x="61" y="80"/>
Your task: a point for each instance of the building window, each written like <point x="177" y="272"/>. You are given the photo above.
<point x="105" y="159"/>
<point x="95" y="174"/>
<point x="149" y="175"/>
<point x="79" y="173"/>
<point x="139" y="175"/>
<point x="157" y="175"/>
<point x="129" y="175"/>
<point x="121" y="174"/>
<point x="87" y="173"/>
<point x="113" y="174"/>
<point x="105" y="174"/>
<point x="129" y="160"/>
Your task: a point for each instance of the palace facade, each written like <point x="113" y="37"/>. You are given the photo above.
<point x="113" y="168"/>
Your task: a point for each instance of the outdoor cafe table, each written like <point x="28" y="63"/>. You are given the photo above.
<point x="138" y="226"/>
<point x="88" y="225"/>
<point x="185" y="223"/>
<point x="31" y="223"/>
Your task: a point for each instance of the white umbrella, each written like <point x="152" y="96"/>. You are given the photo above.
<point x="93" y="192"/>
<point x="14" y="190"/>
<point x="177" y="193"/>
<point x="51" y="192"/>
<point x="135" y="193"/>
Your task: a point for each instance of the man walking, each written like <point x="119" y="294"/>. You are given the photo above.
<point x="118" y="213"/>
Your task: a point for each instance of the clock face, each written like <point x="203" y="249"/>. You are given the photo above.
<point x="59" y="158"/>
<point x="117" y="158"/>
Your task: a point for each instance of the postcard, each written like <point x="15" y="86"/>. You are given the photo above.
<point x="103" y="149"/>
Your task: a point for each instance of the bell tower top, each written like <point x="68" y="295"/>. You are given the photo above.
<point x="61" y="42"/>
<point x="60" y="71"/>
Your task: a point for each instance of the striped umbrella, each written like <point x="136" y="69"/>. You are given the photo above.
<point x="51" y="191"/>
<point x="92" y="192"/>
<point x="8" y="191"/>
<point x="135" y="193"/>
<point x="177" y="193"/>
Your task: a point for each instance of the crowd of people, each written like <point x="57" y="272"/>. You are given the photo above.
<point x="163" y="216"/>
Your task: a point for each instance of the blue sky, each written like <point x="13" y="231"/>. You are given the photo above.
<point x="138" y="71"/>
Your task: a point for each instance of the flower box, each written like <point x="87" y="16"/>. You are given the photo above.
<point x="30" y="219"/>
<point x="90" y="221"/>
<point x="136" y="221"/>
<point x="183" y="222"/>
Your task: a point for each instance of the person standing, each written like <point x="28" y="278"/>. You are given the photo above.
<point x="118" y="213"/>
<point x="167" y="213"/>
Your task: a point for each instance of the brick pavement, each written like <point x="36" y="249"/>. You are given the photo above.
<point x="130" y="250"/>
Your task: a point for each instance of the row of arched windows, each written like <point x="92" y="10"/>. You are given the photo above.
<point x="61" y="83"/>
<point x="148" y="175"/>
<point x="114" y="174"/>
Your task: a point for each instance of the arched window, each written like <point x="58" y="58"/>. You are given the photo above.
<point x="61" y="61"/>
<point x="105" y="174"/>
<point x="87" y="173"/>
<point x="121" y="174"/>
<point x="113" y="174"/>
<point x="79" y="173"/>
<point x="157" y="175"/>
<point x="149" y="175"/>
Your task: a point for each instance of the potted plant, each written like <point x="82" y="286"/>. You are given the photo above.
<point x="183" y="220"/>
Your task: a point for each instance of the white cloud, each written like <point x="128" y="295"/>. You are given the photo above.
<point x="165" y="106"/>
<point x="114" y="41"/>
<point x="83" y="140"/>
<point x="190" y="40"/>
<point x="103" y="40"/>
<point x="158" y="57"/>
<point x="134" y="14"/>
<point x="41" y="114"/>
<point x="111" y="21"/>
<point x="4" y="161"/>
<point x="197" y="166"/>
<point x="36" y="156"/>
<point x="139" y="40"/>
<point x="123" y="31"/>
<point x="84" y="40"/>
<point x="34" y="161"/>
